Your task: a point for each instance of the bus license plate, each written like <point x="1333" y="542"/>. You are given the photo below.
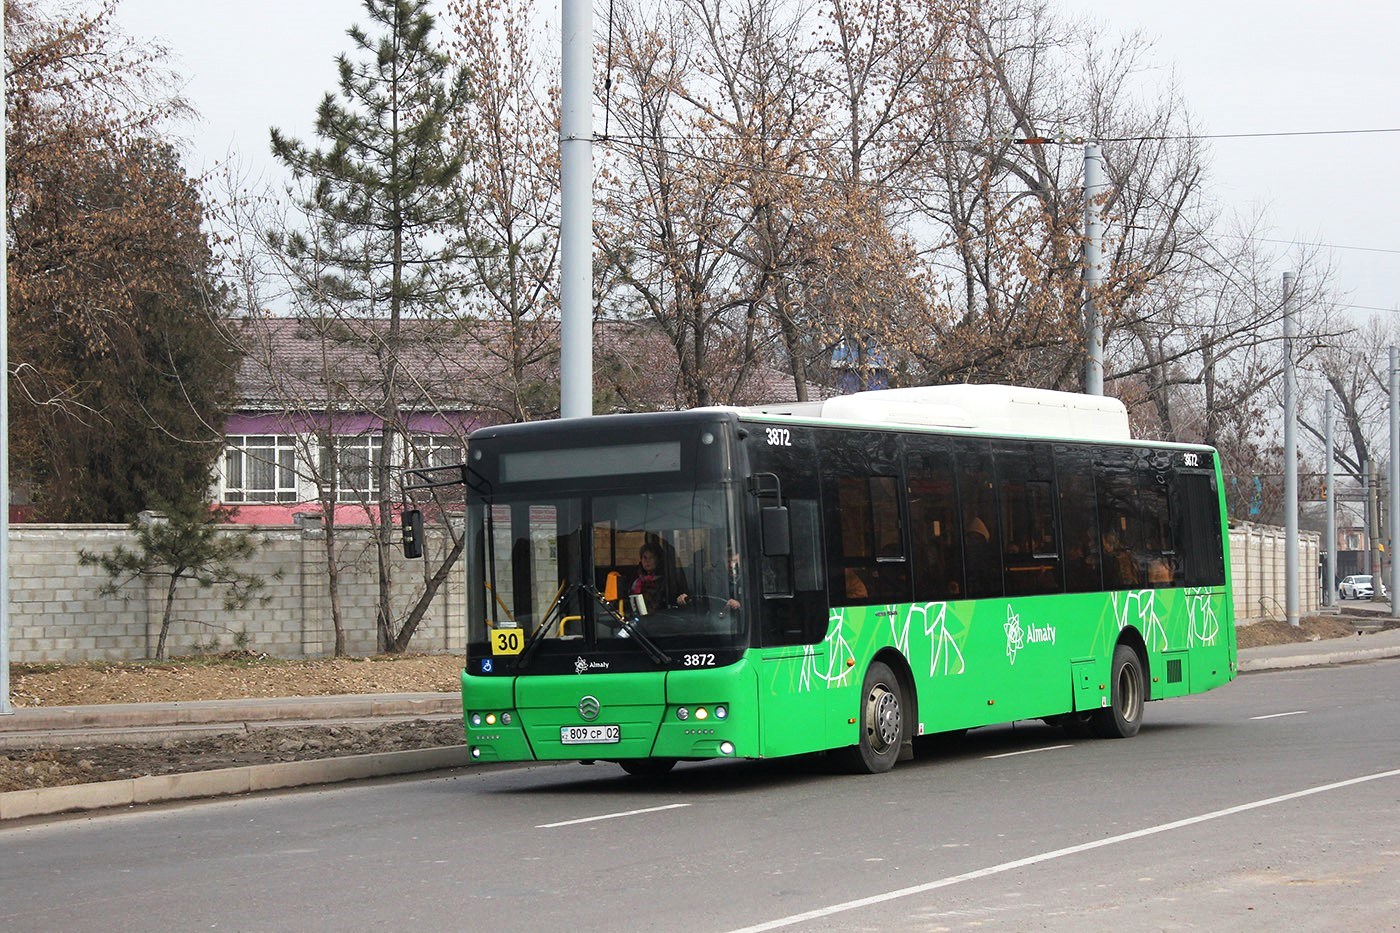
<point x="590" y="735"/>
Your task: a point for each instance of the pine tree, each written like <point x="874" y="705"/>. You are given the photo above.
<point x="390" y="224"/>
<point x="188" y="542"/>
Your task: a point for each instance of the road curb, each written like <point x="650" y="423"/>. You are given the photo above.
<point x="1251" y="665"/>
<point x="152" y="734"/>
<point x="45" y="801"/>
<point x="207" y="712"/>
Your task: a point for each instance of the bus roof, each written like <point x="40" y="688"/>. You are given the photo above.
<point x="993" y="409"/>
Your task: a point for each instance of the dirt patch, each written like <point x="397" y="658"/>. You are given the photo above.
<point x="234" y="676"/>
<point x="22" y="769"/>
<point x="1310" y="628"/>
<point x="227" y="677"/>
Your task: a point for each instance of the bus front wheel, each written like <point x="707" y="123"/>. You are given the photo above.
<point x="882" y="723"/>
<point x="1122" y="718"/>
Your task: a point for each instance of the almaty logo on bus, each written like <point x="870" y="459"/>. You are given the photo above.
<point x="1017" y="637"/>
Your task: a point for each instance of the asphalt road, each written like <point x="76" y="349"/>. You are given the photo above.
<point x="1271" y="803"/>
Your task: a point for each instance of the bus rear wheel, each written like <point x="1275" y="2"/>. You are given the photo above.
<point x="648" y="767"/>
<point x="882" y="723"/>
<point x="1122" y="718"/>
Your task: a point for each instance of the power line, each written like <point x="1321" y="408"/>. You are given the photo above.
<point x="1265" y="135"/>
<point x="985" y="140"/>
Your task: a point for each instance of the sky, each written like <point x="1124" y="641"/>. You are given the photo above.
<point x="1244" y="67"/>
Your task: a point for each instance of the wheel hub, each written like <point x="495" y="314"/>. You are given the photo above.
<point x="885" y="718"/>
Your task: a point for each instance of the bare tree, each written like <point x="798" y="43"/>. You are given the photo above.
<point x="509" y="132"/>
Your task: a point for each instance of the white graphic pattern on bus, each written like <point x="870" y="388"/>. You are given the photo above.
<point x="942" y="647"/>
<point x="1200" y="609"/>
<point x="1148" y="622"/>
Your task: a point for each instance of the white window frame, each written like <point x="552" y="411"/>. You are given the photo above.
<point x="245" y="455"/>
<point x="366" y="447"/>
<point x="427" y="451"/>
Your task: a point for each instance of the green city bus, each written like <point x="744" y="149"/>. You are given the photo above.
<point x="839" y="576"/>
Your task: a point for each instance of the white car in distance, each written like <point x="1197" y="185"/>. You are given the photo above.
<point x="1358" y="586"/>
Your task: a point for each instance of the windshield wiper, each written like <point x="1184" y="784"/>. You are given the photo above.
<point x="630" y="627"/>
<point x="555" y="613"/>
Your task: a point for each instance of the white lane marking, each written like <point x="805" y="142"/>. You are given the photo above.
<point x="1058" y="853"/>
<point x="612" y="816"/>
<point x="1296" y="712"/>
<point x="1026" y="751"/>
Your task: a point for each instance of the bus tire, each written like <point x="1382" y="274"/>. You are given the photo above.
<point x="883" y="725"/>
<point x="648" y="767"/>
<point x="1122" y="718"/>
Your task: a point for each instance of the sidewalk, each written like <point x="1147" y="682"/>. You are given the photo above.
<point x="157" y="721"/>
<point x="1367" y="647"/>
<point x="136" y="722"/>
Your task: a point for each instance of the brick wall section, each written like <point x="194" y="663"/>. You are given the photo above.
<point x="57" y="614"/>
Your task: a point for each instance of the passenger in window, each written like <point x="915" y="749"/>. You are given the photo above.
<point x="855" y="585"/>
<point x="1159" y="572"/>
<point x="657" y="583"/>
<point x="983" y="564"/>
<point x="1120" y="567"/>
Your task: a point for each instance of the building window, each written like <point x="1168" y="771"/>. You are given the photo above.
<point x="260" y="468"/>
<point x="357" y="468"/>
<point x="434" y="450"/>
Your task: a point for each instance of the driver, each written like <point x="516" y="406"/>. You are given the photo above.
<point x="657" y="583"/>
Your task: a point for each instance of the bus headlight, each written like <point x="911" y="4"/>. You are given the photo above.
<point x="682" y="713"/>
<point x="726" y="748"/>
<point x="721" y="712"/>
<point x="476" y="719"/>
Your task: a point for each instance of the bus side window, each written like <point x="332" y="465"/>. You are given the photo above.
<point x="1030" y="551"/>
<point x="1201" y="560"/>
<point x="794" y="605"/>
<point x="935" y="540"/>
<point x="980" y="525"/>
<point x="1079" y="522"/>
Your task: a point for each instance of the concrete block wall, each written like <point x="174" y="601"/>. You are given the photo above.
<point x="1258" y="562"/>
<point x="58" y="614"/>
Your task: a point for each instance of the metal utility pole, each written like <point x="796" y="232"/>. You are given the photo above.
<point x="576" y="211"/>
<point x="1093" y="267"/>
<point x="4" y="430"/>
<point x="1290" y="456"/>
<point x="1394" y="483"/>
<point x="1368" y="509"/>
<point x="1329" y="585"/>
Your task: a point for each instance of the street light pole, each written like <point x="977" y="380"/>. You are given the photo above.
<point x="1290" y="457"/>
<point x="1394" y="474"/>
<point x="576" y="210"/>
<point x="5" y="707"/>
<point x="1093" y="267"/>
<point x="1329" y="585"/>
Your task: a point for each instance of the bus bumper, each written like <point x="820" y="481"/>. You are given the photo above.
<point x="684" y="714"/>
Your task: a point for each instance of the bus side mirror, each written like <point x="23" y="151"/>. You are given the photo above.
<point x="777" y="531"/>
<point x="412" y="534"/>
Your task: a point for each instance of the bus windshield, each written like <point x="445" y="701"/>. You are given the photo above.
<point x="639" y="572"/>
